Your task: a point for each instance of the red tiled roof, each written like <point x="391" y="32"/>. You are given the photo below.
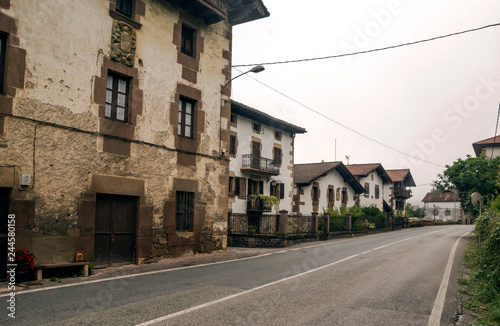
<point x="443" y="196"/>
<point x="365" y="169"/>
<point x="489" y="142"/>
<point x="401" y="175"/>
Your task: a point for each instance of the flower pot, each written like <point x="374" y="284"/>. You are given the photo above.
<point x="22" y="276"/>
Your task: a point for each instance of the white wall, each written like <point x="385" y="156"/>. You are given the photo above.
<point x="244" y="130"/>
<point x="489" y="150"/>
<point x="441" y="207"/>
<point x="332" y="178"/>
<point x="373" y="179"/>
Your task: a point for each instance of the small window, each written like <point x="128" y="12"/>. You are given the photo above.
<point x="186" y="118"/>
<point x="232" y="145"/>
<point x="187" y="41"/>
<point x="315" y="194"/>
<point x="447" y="212"/>
<point x="278" y="134"/>
<point x="257" y="127"/>
<point x="331" y="195"/>
<point x="117" y="89"/>
<point x="184" y="211"/>
<point x="277" y="156"/>
<point x="367" y="189"/>
<point x="234" y="119"/>
<point x="372" y="176"/>
<point x="124" y="7"/>
<point x="377" y="191"/>
<point x="282" y="191"/>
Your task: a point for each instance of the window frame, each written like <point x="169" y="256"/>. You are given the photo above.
<point x="181" y="122"/>
<point x="120" y="5"/>
<point x="184" y="211"/>
<point x="232" y="145"/>
<point x="256" y="127"/>
<point x="377" y="191"/>
<point x="278" y="134"/>
<point x="188" y="34"/>
<point x="115" y="91"/>
<point x="367" y="189"/>
<point x="277" y="156"/>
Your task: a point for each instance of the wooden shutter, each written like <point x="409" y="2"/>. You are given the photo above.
<point x="261" y="187"/>
<point x="282" y="191"/>
<point x="242" y="188"/>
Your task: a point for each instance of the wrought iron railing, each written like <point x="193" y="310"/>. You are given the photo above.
<point x="259" y="163"/>
<point x="402" y="192"/>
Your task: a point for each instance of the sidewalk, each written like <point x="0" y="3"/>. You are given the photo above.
<point x="231" y="253"/>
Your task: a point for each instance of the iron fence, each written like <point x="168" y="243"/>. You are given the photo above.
<point x="300" y="225"/>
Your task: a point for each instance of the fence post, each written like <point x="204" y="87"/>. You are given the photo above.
<point x="348" y="220"/>
<point x="326" y="226"/>
<point x="283" y="222"/>
<point x="314" y="223"/>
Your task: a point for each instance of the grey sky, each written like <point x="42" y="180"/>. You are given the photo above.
<point x="431" y="100"/>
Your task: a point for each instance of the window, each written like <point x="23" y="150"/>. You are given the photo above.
<point x="447" y="212"/>
<point x="315" y="194"/>
<point x="186" y="118"/>
<point x="277" y="155"/>
<point x="273" y="188"/>
<point x="232" y="145"/>
<point x="187" y="41"/>
<point x="184" y="209"/>
<point x="234" y="119"/>
<point x="278" y="134"/>
<point x="256" y="127"/>
<point x="124" y="7"/>
<point x="117" y="89"/>
<point x="282" y="191"/>
<point x="377" y="191"/>
<point x="367" y="189"/>
<point x="3" y="41"/>
<point x="331" y="195"/>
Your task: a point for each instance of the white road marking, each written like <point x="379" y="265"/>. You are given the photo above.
<point x="211" y="303"/>
<point x="437" y="310"/>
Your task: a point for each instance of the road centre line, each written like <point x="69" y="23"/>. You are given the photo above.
<point x="437" y="310"/>
<point x="192" y="266"/>
<point x="211" y="303"/>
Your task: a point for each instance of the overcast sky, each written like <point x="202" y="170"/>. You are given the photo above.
<point x="430" y="100"/>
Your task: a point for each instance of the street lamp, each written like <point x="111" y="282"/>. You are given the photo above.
<point x="255" y="70"/>
<point x="434" y="212"/>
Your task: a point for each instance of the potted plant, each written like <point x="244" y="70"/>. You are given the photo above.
<point x="25" y="263"/>
<point x="267" y="202"/>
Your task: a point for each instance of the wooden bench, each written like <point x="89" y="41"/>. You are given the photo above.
<point x="84" y="268"/>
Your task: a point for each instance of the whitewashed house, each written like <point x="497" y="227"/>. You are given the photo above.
<point x="490" y="146"/>
<point x="261" y="160"/>
<point x="443" y="206"/>
<point x="372" y="177"/>
<point x="397" y="192"/>
<point x="322" y="185"/>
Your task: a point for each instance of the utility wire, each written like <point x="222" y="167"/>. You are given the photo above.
<point x="373" y="50"/>
<point x="340" y="124"/>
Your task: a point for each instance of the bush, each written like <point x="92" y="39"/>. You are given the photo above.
<point x="337" y="224"/>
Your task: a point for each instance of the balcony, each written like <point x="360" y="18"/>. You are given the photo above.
<point x="254" y="163"/>
<point x="257" y="204"/>
<point x="402" y="193"/>
<point x="211" y="11"/>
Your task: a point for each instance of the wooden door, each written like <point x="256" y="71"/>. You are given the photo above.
<point x="4" y="212"/>
<point x="255" y="155"/>
<point x="115" y="228"/>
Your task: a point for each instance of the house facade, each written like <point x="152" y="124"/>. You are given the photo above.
<point x="490" y="147"/>
<point x="443" y="206"/>
<point x="261" y="155"/>
<point x="112" y="128"/>
<point x="319" y="186"/>
<point x="397" y="192"/>
<point x="372" y="177"/>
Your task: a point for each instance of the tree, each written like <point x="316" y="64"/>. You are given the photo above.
<point x="474" y="174"/>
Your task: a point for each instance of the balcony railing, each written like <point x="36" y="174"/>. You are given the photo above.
<point x="212" y="11"/>
<point x="259" y="164"/>
<point x="402" y="193"/>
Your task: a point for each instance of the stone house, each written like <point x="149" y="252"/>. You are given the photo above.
<point x="443" y="206"/>
<point x="397" y="192"/>
<point x="322" y="185"/>
<point x="112" y="129"/>
<point x="261" y="155"/>
<point x="490" y="147"/>
<point x="373" y="177"/>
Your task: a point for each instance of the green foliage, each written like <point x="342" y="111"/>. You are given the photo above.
<point x="270" y="200"/>
<point x="355" y="211"/>
<point x="474" y="174"/>
<point x="483" y="258"/>
<point x="361" y="224"/>
<point x="252" y="229"/>
<point x="375" y="215"/>
<point x="337" y="224"/>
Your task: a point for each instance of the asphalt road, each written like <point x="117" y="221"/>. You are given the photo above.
<point x="385" y="279"/>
